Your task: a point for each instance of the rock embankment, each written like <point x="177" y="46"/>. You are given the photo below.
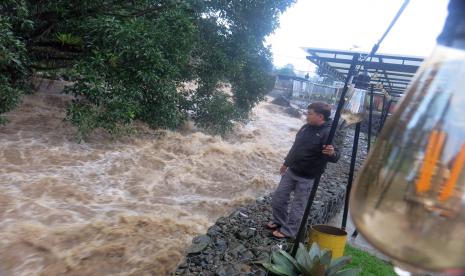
<point x="236" y="242"/>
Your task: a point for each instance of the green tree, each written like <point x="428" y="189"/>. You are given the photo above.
<point x="129" y="58"/>
<point x="14" y="62"/>
<point x="287" y="70"/>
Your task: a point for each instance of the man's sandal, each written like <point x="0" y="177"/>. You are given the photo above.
<point x="272" y="226"/>
<point x="278" y="234"/>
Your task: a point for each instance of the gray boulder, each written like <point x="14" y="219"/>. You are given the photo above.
<point x="199" y="244"/>
<point x="281" y="101"/>
<point x="294" y="112"/>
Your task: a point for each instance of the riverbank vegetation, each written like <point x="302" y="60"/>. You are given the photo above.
<point x="129" y="60"/>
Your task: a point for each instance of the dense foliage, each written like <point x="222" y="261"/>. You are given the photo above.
<point x="287" y="70"/>
<point x="13" y="54"/>
<point x="130" y="59"/>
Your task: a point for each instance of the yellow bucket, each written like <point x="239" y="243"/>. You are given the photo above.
<point x="328" y="237"/>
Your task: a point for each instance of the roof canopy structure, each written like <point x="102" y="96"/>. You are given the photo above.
<point x="391" y="72"/>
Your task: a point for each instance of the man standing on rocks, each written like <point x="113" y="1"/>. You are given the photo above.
<point x="306" y="159"/>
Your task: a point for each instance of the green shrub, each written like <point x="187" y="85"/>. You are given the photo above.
<point x="13" y="66"/>
<point x="127" y="58"/>
<point x="68" y="39"/>
<point x="214" y="112"/>
<point x="314" y="262"/>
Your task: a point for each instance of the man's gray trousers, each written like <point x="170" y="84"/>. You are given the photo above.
<point x="289" y="217"/>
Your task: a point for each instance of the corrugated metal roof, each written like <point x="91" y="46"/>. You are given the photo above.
<point x="390" y="72"/>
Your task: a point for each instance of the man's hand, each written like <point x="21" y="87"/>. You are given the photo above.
<point x="282" y="170"/>
<point x="328" y="150"/>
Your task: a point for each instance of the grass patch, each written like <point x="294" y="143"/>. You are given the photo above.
<point x="370" y="265"/>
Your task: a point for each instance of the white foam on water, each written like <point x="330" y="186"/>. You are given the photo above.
<point x="125" y="205"/>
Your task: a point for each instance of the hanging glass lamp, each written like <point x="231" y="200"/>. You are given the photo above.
<point x="355" y="106"/>
<point x="409" y="198"/>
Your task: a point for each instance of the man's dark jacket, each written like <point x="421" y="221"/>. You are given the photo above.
<point x="305" y="158"/>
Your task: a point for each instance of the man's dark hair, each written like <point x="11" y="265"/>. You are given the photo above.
<point x="321" y="108"/>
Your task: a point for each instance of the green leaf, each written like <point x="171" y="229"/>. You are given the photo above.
<point x="279" y="270"/>
<point x="325" y="257"/>
<point x="349" y="272"/>
<point x="279" y="259"/>
<point x="290" y="259"/>
<point x="318" y="268"/>
<point x="304" y="261"/>
<point x="338" y="264"/>
<point x="16" y="61"/>
<point x="314" y="251"/>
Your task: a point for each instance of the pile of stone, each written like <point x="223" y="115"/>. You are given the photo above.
<point x="281" y="101"/>
<point x="289" y="109"/>
<point x="236" y="244"/>
<point x="376" y="120"/>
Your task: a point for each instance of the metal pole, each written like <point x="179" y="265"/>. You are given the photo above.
<point x="370" y="119"/>
<point x="385" y="114"/>
<point x="372" y="52"/>
<point x="311" y="197"/>
<point x="399" y="12"/>
<point x="341" y="102"/>
<point x="351" y="175"/>
<point x="382" y="113"/>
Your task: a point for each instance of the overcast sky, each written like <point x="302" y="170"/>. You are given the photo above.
<point x="345" y="24"/>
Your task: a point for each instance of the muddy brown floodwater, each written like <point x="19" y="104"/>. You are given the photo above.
<point x="125" y="206"/>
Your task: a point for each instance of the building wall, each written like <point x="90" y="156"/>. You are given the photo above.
<point x="303" y="91"/>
